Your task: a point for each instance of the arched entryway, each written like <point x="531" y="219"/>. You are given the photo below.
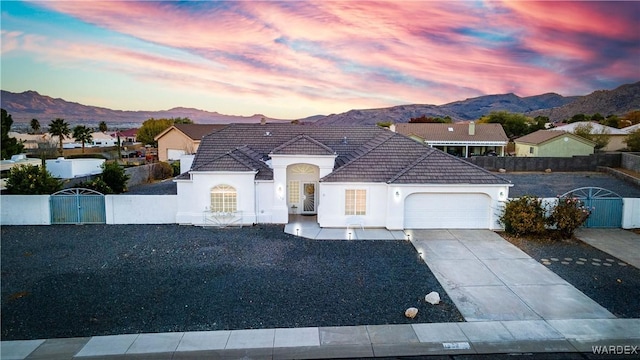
<point x="302" y="189"/>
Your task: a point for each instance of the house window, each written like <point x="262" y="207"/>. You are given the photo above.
<point x="223" y="199"/>
<point x="355" y="202"/>
<point x="530" y="149"/>
<point x="294" y="192"/>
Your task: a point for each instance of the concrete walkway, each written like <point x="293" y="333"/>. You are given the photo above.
<point x="623" y="244"/>
<point x="512" y="304"/>
<point x="489" y="279"/>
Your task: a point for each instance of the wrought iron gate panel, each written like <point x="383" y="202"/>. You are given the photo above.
<point x="605" y="205"/>
<point x="77" y="206"/>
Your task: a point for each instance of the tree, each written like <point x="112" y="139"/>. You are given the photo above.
<point x="59" y="128"/>
<point x="597" y="117"/>
<point x="114" y="177"/>
<point x="431" y="119"/>
<point x="35" y="125"/>
<point x="152" y="127"/>
<point x="102" y="126"/>
<point x="9" y="146"/>
<point x="600" y="138"/>
<point x="633" y="141"/>
<point x="611" y="120"/>
<point x="578" y="118"/>
<point x="633" y="117"/>
<point x="83" y="134"/>
<point x="31" y="180"/>
<point x="515" y="125"/>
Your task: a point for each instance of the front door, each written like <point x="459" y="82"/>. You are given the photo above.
<point x="309" y="198"/>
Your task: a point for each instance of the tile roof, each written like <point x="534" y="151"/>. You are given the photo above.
<point x="596" y="128"/>
<point x="303" y="145"/>
<point x="542" y="136"/>
<point x="197" y="131"/>
<point x="453" y="132"/>
<point x="364" y="154"/>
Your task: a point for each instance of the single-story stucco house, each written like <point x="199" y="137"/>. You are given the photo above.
<point x="344" y="175"/>
<point x="460" y="139"/>
<point x="548" y="143"/>
<point x="182" y="139"/>
<point x="616" y="136"/>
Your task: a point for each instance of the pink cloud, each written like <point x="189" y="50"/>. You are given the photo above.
<point x="362" y="52"/>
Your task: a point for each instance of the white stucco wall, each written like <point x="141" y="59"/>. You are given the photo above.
<point x="264" y="204"/>
<point x="141" y="209"/>
<point x="25" y="210"/>
<point x="331" y="211"/>
<point x="69" y="168"/>
<point x="194" y="195"/>
<point x="631" y="213"/>
<point x="386" y="209"/>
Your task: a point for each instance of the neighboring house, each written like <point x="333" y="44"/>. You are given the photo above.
<point x="548" y="143"/>
<point x="460" y="139"/>
<point x="347" y="176"/>
<point x="100" y="139"/>
<point x="127" y="136"/>
<point x="182" y="139"/>
<point x="616" y="136"/>
<point x="31" y="141"/>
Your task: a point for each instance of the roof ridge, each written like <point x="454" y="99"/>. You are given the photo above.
<point x="230" y="154"/>
<point x="300" y="137"/>
<point x="409" y="167"/>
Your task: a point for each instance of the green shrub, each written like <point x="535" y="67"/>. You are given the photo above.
<point x="31" y="180"/>
<point x="568" y="215"/>
<point x="162" y="170"/>
<point x="176" y="167"/>
<point x="114" y="176"/>
<point x="524" y="216"/>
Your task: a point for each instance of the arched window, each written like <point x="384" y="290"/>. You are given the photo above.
<point x="223" y="199"/>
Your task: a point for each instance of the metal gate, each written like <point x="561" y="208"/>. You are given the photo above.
<point x="605" y="205"/>
<point x="77" y="206"/>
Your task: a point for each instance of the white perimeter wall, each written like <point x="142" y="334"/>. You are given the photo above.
<point x="141" y="209"/>
<point x="24" y="210"/>
<point x="631" y="213"/>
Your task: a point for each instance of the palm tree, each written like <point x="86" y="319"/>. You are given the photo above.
<point x="83" y="134"/>
<point x="102" y="126"/>
<point x="59" y="128"/>
<point x="35" y="125"/>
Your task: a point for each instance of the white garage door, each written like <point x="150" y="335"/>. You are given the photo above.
<point x="173" y="154"/>
<point x="447" y="211"/>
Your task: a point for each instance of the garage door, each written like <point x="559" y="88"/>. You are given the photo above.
<point x="173" y="154"/>
<point x="447" y="211"/>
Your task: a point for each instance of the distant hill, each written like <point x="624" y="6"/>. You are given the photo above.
<point x="29" y="105"/>
<point x="469" y="109"/>
<point x="619" y="101"/>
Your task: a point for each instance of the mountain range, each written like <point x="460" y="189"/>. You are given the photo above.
<point x="29" y="105"/>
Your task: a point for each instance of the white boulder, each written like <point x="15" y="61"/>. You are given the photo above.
<point x="432" y="298"/>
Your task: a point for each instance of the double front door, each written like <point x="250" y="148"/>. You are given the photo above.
<point x="302" y="196"/>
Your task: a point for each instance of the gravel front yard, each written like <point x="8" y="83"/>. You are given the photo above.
<point x="70" y="281"/>
<point x="607" y="280"/>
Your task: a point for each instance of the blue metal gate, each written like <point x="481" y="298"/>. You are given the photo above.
<point x="605" y="205"/>
<point x="77" y="206"/>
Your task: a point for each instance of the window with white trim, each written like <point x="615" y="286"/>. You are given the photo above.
<point x="355" y="202"/>
<point x="294" y="192"/>
<point x="224" y="199"/>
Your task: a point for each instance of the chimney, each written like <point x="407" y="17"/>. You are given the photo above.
<point x="472" y="128"/>
<point x="392" y="127"/>
<point x="263" y="121"/>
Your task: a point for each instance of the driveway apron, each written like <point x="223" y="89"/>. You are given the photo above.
<point x="489" y="279"/>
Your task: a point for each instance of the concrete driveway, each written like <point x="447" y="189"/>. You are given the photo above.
<point x="490" y="279"/>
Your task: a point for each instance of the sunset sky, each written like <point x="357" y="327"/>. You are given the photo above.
<point x="292" y="59"/>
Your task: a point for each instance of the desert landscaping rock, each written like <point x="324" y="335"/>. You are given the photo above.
<point x="432" y="298"/>
<point x="77" y="281"/>
<point x="411" y="313"/>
